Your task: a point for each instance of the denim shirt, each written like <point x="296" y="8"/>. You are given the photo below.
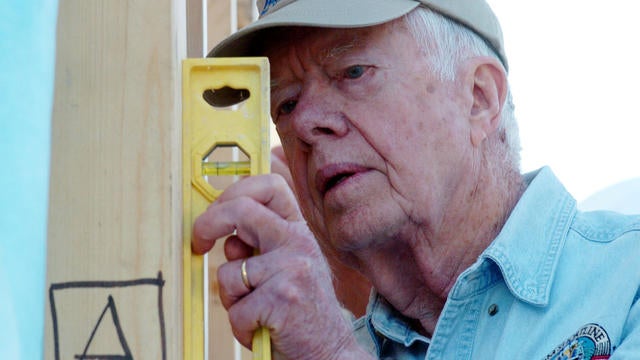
<point x="556" y="283"/>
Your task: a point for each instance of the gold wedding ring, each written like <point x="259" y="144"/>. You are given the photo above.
<point x="245" y="277"/>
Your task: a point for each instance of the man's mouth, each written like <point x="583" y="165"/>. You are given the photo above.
<point x="331" y="176"/>
<point x="335" y="181"/>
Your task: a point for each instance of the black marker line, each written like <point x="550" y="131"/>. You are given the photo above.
<point x="163" y="336"/>
<point x="116" y="322"/>
<point x="159" y="281"/>
<point x="107" y="284"/>
<point x="95" y="328"/>
<point x="111" y="305"/>
<point x="54" y="323"/>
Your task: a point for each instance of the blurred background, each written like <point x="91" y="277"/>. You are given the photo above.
<point x="574" y="71"/>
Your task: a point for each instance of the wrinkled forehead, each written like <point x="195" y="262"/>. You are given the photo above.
<point x="319" y="42"/>
<point x="324" y="42"/>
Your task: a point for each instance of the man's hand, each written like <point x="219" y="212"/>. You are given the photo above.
<point x="352" y="288"/>
<point x="291" y="292"/>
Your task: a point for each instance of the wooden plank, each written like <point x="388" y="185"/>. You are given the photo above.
<point x="218" y="21"/>
<point x="195" y="29"/>
<point x="219" y="18"/>
<point x="114" y="239"/>
<point x="245" y="8"/>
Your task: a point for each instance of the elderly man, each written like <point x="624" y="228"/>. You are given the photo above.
<point x="397" y="126"/>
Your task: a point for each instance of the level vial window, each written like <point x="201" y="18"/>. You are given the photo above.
<point x="224" y="165"/>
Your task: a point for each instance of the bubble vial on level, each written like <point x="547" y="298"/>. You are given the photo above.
<point x="226" y="168"/>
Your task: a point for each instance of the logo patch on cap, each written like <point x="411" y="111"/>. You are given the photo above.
<point x="591" y="342"/>
<point x="268" y="4"/>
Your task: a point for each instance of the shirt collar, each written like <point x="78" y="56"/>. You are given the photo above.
<point x="526" y="252"/>
<point x="529" y="245"/>
<point x="384" y="319"/>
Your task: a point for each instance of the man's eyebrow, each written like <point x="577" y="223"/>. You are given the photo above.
<point x="339" y="50"/>
<point x="278" y="87"/>
<point x="274" y="83"/>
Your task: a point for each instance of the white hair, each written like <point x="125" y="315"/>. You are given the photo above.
<point x="446" y="43"/>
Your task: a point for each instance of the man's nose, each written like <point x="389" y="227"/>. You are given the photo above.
<point x="320" y="115"/>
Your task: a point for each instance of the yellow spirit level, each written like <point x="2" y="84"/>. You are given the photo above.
<point x="225" y="104"/>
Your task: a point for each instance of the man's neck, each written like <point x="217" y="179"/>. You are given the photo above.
<point x="425" y="267"/>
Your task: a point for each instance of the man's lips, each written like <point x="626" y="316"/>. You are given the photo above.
<point x="330" y="176"/>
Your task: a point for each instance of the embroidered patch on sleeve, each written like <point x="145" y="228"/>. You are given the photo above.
<point x="591" y="342"/>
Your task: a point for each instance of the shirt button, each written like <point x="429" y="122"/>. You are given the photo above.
<point x="493" y="309"/>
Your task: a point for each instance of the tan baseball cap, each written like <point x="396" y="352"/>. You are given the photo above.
<point x="474" y="14"/>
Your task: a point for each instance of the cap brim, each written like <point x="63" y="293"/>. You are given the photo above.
<point x="315" y="13"/>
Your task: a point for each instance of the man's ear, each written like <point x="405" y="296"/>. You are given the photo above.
<point x="487" y="81"/>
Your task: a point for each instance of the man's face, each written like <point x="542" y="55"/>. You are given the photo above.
<point x="377" y="145"/>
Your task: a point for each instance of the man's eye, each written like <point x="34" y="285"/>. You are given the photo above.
<point x="287" y="107"/>
<point x="354" y="72"/>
